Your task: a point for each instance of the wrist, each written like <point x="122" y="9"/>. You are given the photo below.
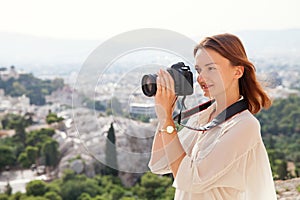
<point x="166" y="122"/>
<point x="168" y="126"/>
<point x="169" y="129"/>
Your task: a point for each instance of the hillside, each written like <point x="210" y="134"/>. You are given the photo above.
<point x="34" y="88"/>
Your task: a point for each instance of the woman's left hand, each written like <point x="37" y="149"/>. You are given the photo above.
<point x="165" y="97"/>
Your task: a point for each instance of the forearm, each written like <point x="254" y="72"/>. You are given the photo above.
<point x="165" y="99"/>
<point x="172" y="146"/>
<point x="157" y="151"/>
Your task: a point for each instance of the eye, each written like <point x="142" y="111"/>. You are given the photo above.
<point x="210" y="68"/>
<point x="198" y="70"/>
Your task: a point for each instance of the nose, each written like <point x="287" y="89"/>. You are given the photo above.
<point x="200" y="78"/>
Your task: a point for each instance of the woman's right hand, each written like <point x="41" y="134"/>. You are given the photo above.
<point x="165" y="97"/>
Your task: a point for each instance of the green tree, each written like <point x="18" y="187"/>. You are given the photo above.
<point x="38" y="137"/>
<point x="34" y="88"/>
<point x="298" y="188"/>
<point x="282" y="117"/>
<point x="154" y="187"/>
<point x="108" y="111"/>
<point x="7" y="156"/>
<point x="18" y="89"/>
<point x="280" y="127"/>
<point x="35" y="198"/>
<point x="57" y="83"/>
<point x="23" y="160"/>
<point x="4" y="197"/>
<point x="94" y="105"/>
<point x="84" y="196"/>
<point x="111" y="153"/>
<point x="169" y="193"/>
<point x="17" y="196"/>
<point x="117" y="192"/>
<point x="36" y="97"/>
<point x="52" y="196"/>
<point x="36" y="188"/>
<point x="8" y="189"/>
<point x="99" y="106"/>
<point x="50" y="152"/>
<point x="18" y="123"/>
<point x="281" y="169"/>
<point x="54" y="186"/>
<point x="68" y="175"/>
<point x="52" y="118"/>
<point x="73" y="188"/>
<point x="32" y="154"/>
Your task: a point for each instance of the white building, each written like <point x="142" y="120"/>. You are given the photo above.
<point x="6" y="74"/>
<point x="16" y="105"/>
<point x="142" y="109"/>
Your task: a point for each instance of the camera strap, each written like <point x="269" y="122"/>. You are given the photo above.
<point x="229" y="112"/>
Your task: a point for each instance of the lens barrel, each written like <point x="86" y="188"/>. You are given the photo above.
<point x="149" y="84"/>
<point x="182" y="76"/>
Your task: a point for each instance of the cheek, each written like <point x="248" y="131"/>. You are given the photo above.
<point x="225" y="81"/>
<point x="217" y="78"/>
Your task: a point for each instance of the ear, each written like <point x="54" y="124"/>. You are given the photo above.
<point x="239" y="71"/>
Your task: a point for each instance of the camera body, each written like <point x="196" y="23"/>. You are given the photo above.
<point x="183" y="80"/>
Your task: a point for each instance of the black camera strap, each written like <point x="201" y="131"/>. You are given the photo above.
<point x="229" y="112"/>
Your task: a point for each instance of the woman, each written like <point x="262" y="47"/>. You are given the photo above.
<point x="228" y="161"/>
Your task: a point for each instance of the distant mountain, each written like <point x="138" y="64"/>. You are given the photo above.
<point x="33" y="54"/>
<point x="272" y="42"/>
<point x="41" y="55"/>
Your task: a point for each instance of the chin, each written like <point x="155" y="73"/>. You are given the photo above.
<point x="207" y="94"/>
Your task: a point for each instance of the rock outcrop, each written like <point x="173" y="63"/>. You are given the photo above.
<point x="287" y="189"/>
<point x="83" y="145"/>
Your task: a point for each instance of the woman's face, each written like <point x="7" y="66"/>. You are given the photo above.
<point x="216" y="76"/>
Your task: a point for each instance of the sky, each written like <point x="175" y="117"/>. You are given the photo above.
<point x="97" y="19"/>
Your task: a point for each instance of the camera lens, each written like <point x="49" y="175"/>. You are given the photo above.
<point x="149" y="84"/>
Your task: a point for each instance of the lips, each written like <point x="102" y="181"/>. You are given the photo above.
<point x="205" y="86"/>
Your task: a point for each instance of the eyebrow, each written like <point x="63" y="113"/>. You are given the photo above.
<point x="212" y="63"/>
<point x="209" y="64"/>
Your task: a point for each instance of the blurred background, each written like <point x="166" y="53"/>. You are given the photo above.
<point x="57" y="142"/>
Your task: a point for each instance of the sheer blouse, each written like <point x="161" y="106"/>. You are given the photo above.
<point x="228" y="162"/>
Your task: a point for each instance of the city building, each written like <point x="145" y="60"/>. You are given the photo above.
<point x="6" y="74"/>
<point x="142" y="109"/>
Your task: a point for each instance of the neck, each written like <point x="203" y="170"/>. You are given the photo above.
<point x="222" y="102"/>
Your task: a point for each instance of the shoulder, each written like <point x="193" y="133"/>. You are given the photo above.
<point x="244" y="125"/>
<point x="246" y="116"/>
<point x="243" y="119"/>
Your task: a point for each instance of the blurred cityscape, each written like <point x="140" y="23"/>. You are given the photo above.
<point x="88" y="111"/>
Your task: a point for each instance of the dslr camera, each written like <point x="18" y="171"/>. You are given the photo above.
<point x="183" y="80"/>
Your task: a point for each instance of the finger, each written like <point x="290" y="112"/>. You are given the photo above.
<point x="169" y="81"/>
<point x="165" y="79"/>
<point x="162" y="79"/>
<point x="158" y="84"/>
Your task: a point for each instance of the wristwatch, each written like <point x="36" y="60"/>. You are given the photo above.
<point x="169" y="129"/>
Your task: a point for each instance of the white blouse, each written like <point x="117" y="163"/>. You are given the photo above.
<point x="228" y="162"/>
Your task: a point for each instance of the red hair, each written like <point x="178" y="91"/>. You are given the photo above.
<point x="231" y="47"/>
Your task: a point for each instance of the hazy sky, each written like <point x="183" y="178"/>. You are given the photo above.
<point x="98" y="19"/>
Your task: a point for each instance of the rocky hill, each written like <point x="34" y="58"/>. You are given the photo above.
<point x="287" y="190"/>
<point x="83" y="143"/>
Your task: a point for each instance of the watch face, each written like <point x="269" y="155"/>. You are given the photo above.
<point x="170" y="129"/>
